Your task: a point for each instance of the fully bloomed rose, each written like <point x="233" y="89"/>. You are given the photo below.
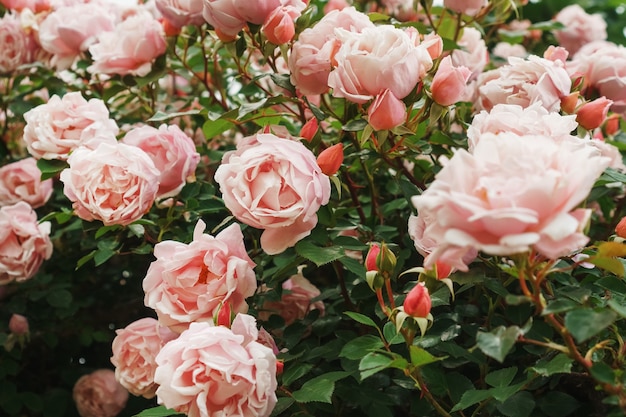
<point x="223" y="16"/>
<point x="580" y="28"/>
<point x="98" y="394"/>
<point x="66" y="37"/>
<point x="513" y="193"/>
<point x="190" y="282"/>
<point x="310" y="59"/>
<point x="114" y="183"/>
<point x="214" y="371"/>
<point x="61" y="125"/>
<point x="134" y="352"/>
<point x="24" y="243"/>
<point x="21" y="181"/>
<point x="377" y="59"/>
<point x="129" y="49"/>
<point x="17" y="46"/>
<point x="181" y="12"/>
<point x="524" y="82"/>
<point x="173" y="153"/>
<point x="274" y="184"/>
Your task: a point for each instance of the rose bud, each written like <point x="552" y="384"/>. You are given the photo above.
<point x="279" y="27"/>
<point x="370" y="259"/>
<point x="330" y="159"/>
<point x="417" y="302"/>
<point x="620" y="229"/>
<point x="386" y="112"/>
<point x="449" y="82"/>
<point x="592" y="114"/>
<point x="309" y="129"/>
<point x="18" y="324"/>
<point x="569" y="102"/>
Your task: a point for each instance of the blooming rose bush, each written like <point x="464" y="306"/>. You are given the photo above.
<point x="288" y="207"/>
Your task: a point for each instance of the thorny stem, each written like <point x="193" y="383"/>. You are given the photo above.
<point x="427" y="394"/>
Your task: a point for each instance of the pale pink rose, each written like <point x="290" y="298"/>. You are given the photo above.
<point x="474" y="54"/>
<point x="181" y="12"/>
<point x="19" y="5"/>
<point x="213" y="371"/>
<point x="66" y="37"/>
<point x="21" y="181"/>
<point x="98" y="394"/>
<point x="223" y="16"/>
<point x="403" y="10"/>
<point x="190" y="282"/>
<point x="273" y="184"/>
<point x="524" y="82"/>
<point x="114" y="183"/>
<point x="18" y="47"/>
<point x="134" y="352"/>
<point x="335" y="5"/>
<point x="25" y="243"/>
<point x="377" y="59"/>
<point x="580" y="28"/>
<point x="434" y="44"/>
<point x="56" y="128"/>
<point x="311" y="55"/>
<point x="173" y="153"/>
<point x="18" y="324"/>
<point x="258" y="11"/>
<point x="295" y="302"/>
<point x="505" y="50"/>
<point x="610" y="151"/>
<point x="468" y="7"/>
<point x="514" y="119"/>
<point x="604" y="66"/>
<point x="516" y="193"/>
<point x="129" y="49"/>
<point x="449" y="82"/>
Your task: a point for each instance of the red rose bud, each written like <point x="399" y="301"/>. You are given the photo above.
<point x="18" y="324"/>
<point x="309" y="129"/>
<point x="569" y="103"/>
<point x="612" y="124"/>
<point x="620" y="229"/>
<point x="330" y="159"/>
<point x="224" y="315"/>
<point x="417" y="302"/>
<point x="280" y="365"/>
<point x="592" y="114"/>
<point x="370" y="259"/>
<point x="169" y="28"/>
<point x="442" y="270"/>
<point x="386" y="112"/>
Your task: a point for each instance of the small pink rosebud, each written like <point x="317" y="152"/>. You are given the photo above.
<point x="224" y="315"/>
<point x="309" y="129"/>
<point x="556" y="53"/>
<point x="592" y="114"/>
<point x="279" y="27"/>
<point x="612" y="124"/>
<point x="570" y="102"/>
<point x="433" y="44"/>
<point x="386" y="112"/>
<point x="330" y="159"/>
<point x="620" y="229"/>
<point x="417" y="302"/>
<point x="18" y="324"/>
<point x="169" y="28"/>
<point x="370" y="259"/>
<point x="442" y="270"/>
<point x="449" y="82"/>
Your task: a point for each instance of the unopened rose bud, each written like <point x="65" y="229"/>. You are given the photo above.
<point x="224" y="315"/>
<point x="433" y="44"/>
<point x="592" y="114"/>
<point x="417" y="302"/>
<point x="330" y="159"/>
<point x="620" y="229"/>
<point x="449" y="82"/>
<point x="370" y="259"/>
<point x="612" y="124"/>
<point x="309" y="129"/>
<point x="386" y="112"/>
<point x="570" y="102"/>
<point x="386" y="259"/>
<point x="442" y="270"/>
<point x="169" y="28"/>
<point x="279" y="27"/>
<point x="18" y="324"/>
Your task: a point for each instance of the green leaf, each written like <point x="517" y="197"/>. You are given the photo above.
<point x="294" y="372"/>
<point x="586" y="323"/>
<point x="160" y="411"/>
<point x="520" y="404"/>
<point x="82" y="261"/>
<point x="319" y="255"/>
<point x="561" y="363"/>
<point x="501" y="377"/>
<point x="355" y="125"/>
<point x="374" y="362"/>
<point x="558" y="404"/>
<point x="320" y="388"/>
<point x="603" y="373"/>
<point x="283" y="404"/>
<point x="358" y="317"/>
<point x="617" y="307"/>
<point x="212" y="128"/>
<point x="608" y="263"/>
<point x="470" y="398"/>
<point x="559" y="306"/>
<point x="420" y="357"/>
<point x="103" y="255"/>
<point x="59" y="298"/>
<point x="160" y="116"/>
<point x="499" y="342"/>
<point x="361" y="346"/>
<point x="50" y="168"/>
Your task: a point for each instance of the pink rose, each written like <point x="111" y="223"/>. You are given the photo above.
<point x="212" y="371"/>
<point x="516" y="193"/>
<point x="580" y="28"/>
<point x="524" y="82"/>
<point x="25" y="243"/>
<point x="311" y="54"/>
<point x="173" y="153"/>
<point x="134" y="352"/>
<point x="335" y="5"/>
<point x="130" y="48"/>
<point x="181" y="12"/>
<point x="98" y="394"/>
<point x="223" y="16"/>
<point x="386" y="111"/>
<point x="295" y="302"/>
<point x="19" y="5"/>
<point x="18" y="324"/>
<point x="18" y="48"/>
<point x="56" y="128"/>
<point x="513" y="119"/>
<point x="468" y="7"/>
<point x="273" y="184"/>
<point x="449" y="82"/>
<point x="114" y="183"/>
<point x="474" y="54"/>
<point x="377" y="59"/>
<point x="66" y="37"/>
<point x="279" y="27"/>
<point x="190" y="282"/>
<point x="21" y="181"/>
<point x="505" y="50"/>
<point x="258" y="11"/>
